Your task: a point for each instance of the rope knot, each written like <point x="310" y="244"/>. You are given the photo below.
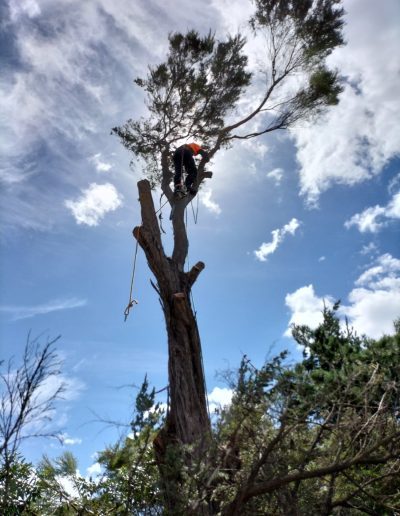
<point x="130" y="305"/>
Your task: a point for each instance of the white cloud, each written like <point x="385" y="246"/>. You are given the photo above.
<point x="278" y="236"/>
<point x="306" y="307"/>
<point x="20" y="7"/>
<point x="101" y="166"/>
<point x="60" y="97"/>
<point x="373" y="311"/>
<point x="276" y="175"/>
<point x="68" y="485"/>
<point x="52" y="420"/>
<point x="322" y="258"/>
<point x="376" y="217"/>
<point x="357" y="138"/>
<point x="370" y="248"/>
<point x="219" y="397"/>
<point x="72" y="387"/>
<point x="367" y="220"/>
<point x="212" y="206"/>
<point x="374" y="302"/>
<point x="393" y="208"/>
<point x="70" y="441"/>
<point x="24" y="312"/>
<point x="386" y="266"/>
<point x="94" y="470"/>
<point x="394" y="183"/>
<point x="256" y="148"/>
<point x="96" y="201"/>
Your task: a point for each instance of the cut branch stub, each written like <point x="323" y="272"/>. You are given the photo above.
<point x="194" y="272"/>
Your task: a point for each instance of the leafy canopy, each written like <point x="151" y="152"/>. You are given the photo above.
<point x="197" y="91"/>
<point x="188" y="95"/>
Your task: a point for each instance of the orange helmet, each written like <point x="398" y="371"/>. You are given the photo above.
<point x="195" y="148"/>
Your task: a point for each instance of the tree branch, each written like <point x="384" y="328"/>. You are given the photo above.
<point x="194" y="272"/>
<point x="363" y="459"/>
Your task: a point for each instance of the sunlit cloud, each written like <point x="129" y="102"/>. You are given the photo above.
<point x="69" y="441"/>
<point x="95" y="201"/>
<point x="24" y="312"/>
<point x="94" y="470"/>
<point x="278" y="235"/>
<point x="374" y="302"/>
<point x="24" y="7"/>
<point x="306" y="307"/>
<point x="210" y="204"/>
<point x="219" y="398"/>
<point x="356" y="139"/>
<point x="370" y="248"/>
<point x="101" y="165"/>
<point x="276" y="175"/>
<point x="376" y="217"/>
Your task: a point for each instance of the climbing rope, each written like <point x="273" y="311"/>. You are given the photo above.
<point x="195" y="216"/>
<point x="195" y="318"/>
<point x="161" y="206"/>
<point x="160" y="217"/>
<point x="201" y="358"/>
<point x="132" y="301"/>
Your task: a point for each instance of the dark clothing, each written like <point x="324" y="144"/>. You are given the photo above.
<point x="183" y="160"/>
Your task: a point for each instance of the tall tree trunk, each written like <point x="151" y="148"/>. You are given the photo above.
<point x="187" y="420"/>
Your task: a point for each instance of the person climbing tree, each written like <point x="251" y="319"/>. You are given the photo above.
<point x="183" y="159"/>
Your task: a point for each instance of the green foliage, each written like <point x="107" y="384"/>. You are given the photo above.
<point x="291" y="429"/>
<point x="17" y="486"/>
<point x="128" y="484"/>
<point x="188" y="95"/>
<point x="198" y="88"/>
<point x="131" y="480"/>
<point x="320" y="436"/>
<point x="317" y="24"/>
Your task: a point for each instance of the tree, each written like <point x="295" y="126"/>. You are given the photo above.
<point x="25" y="409"/>
<point x="195" y="94"/>
<point x="319" y="437"/>
<point x="128" y="484"/>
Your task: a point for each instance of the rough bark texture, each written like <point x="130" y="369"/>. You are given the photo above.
<point x="187" y="420"/>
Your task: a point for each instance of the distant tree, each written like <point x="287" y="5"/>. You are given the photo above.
<point x="129" y="483"/>
<point x="131" y="479"/>
<point x="196" y="95"/>
<point x="26" y="409"/>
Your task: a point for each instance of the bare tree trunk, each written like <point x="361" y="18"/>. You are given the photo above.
<point x="187" y="421"/>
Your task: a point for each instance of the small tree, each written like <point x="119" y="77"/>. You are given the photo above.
<point x="127" y="485"/>
<point x="195" y="94"/>
<point x="25" y="408"/>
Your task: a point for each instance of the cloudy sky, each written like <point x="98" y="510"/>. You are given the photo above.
<point x="287" y="223"/>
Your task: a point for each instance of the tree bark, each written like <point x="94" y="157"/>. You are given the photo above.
<point x="187" y="420"/>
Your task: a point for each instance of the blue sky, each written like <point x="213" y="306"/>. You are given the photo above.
<point x="287" y="222"/>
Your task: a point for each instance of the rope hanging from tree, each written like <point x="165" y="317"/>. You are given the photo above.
<point x="195" y="315"/>
<point x="132" y="301"/>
